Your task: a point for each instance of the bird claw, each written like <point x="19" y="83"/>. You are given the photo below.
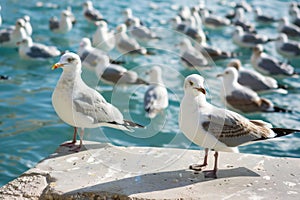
<point x="68" y="144"/>
<point x="210" y="174"/>
<point x="197" y="167"/>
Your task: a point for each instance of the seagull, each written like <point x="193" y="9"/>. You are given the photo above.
<point x="10" y="36"/>
<point x="249" y="40"/>
<point x="140" y="32"/>
<point x="213" y="21"/>
<point x="290" y="30"/>
<point x="129" y="18"/>
<point x="196" y="16"/>
<point x="239" y="20"/>
<point x="216" y="128"/>
<point x="241" y="98"/>
<point x="190" y="56"/>
<point x="260" y="17"/>
<point x="36" y="51"/>
<point x="156" y="96"/>
<point x="28" y="27"/>
<point x="126" y="44"/>
<point x="90" y="13"/>
<point x="255" y="80"/>
<point x="81" y="106"/>
<point x="103" y="38"/>
<point x="295" y="17"/>
<point x="269" y="65"/>
<point x="63" y="25"/>
<point x="290" y="49"/>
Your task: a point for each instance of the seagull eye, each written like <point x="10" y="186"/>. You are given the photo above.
<point x="70" y="59"/>
<point x="191" y="83"/>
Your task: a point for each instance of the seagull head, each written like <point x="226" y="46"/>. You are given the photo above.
<point x="85" y="43"/>
<point x="258" y="49"/>
<point x="121" y="28"/>
<point x="236" y="63"/>
<point x="65" y="14"/>
<point x="194" y="84"/>
<point x="185" y="44"/>
<point x="230" y="75"/>
<point x="282" y="38"/>
<point x="127" y="12"/>
<point x="26" y="18"/>
<point x="20" y="23"/>
<point x="88" y="5"/>
<point x="69" y="62"/>
<point x="238" y="30"/>
<point x="101" y="24"/>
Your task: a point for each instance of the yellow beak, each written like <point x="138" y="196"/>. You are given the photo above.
<point x="57" y="65"/>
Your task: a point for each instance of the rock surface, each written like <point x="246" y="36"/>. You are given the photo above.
<point x="104" y="171"/>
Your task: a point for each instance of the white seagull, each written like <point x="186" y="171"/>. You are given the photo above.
<point x="10" y="36"/>
<point x="156" y="97"/>
<point x="255" y="80"/>
<point x="269" y="65"/>
<point x="239" y="20"/>
<point x="129" y="18"/>
<point x="190" y="56"/>
<point x="141" y="32"/>
<point x="286" y="47"/>
<point x="213" y="21"/>
<point x="290" y="30"/>
<point x="249" y="40"/>
<point x="126" y="44"/>
<point x="81" y="106"/>
<point x="215" y="128"/>
<point x="90" y="13"/>
<point x="63" y="25"/>
<point x="260" y="17"/>
<point x="241" y="98"/>
<point x="36" y="51"/>
<point x="103" y="38"/>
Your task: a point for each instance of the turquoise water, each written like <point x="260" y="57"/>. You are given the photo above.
<point x="30" y="129"/>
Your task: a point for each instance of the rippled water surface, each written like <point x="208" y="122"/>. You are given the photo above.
<point x="29" y="128"/>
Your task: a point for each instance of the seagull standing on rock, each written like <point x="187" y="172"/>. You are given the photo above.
<point x="215" y="128"/>
<point x="81" y="106"/>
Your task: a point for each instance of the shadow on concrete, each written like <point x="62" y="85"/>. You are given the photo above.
<point x="161" y="181"/>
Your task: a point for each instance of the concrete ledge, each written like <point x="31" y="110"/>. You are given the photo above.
<point x="103" y="171"/>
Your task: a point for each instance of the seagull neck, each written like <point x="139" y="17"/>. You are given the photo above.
<point x="157" y="80"/>
<point x="70" y="74"/>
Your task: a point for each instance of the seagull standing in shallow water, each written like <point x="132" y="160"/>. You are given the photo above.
<point x="215" y="128"/>
<point x="81" y="106"/>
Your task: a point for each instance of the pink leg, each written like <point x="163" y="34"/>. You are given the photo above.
<point x="77" y="149"/>
<point x="71" y="144"/>
<point x="198" y="167"/>
<point x="213" y="173"/>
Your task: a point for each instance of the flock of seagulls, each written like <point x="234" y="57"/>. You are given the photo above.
<point x="203" y="123"/>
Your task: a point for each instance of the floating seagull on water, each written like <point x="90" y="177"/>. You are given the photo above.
<point x="295" y="17"/>
<point x="126" y="44"/>
<point x="63" y="25"/>
<point x="140" y="32"/>
<point x="28" y="27"/>
<point x="269" y="65"/>
<point x="242" y="98"/>
<point x="10" y="36"/>
<point x="249" y="40"/>
<point x="190" y="56"/>
<point x="103" y="38"/>
<point x="255" y="80"/>
<point x="36" y="51"/>
<point x="260" y="17"/>
<point x="213" y="21"/>
<point x="290" y="49"/>
<point x="156" y="96"/>
<point x="213" y="52"/>
<point x="90" y="13"/>
<point x="129" y="18"/>
<point x="81" y="106"/>
<point x="215" y="128"/>
<point x="290" y="30"/>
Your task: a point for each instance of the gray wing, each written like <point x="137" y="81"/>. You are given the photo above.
<point x="193" y="60"/>
<point x="290" y="47"/>
<point x="53" y="23"/>
<point x="232" y="129"/>
<point x="128" y="44"/>
<point x="141" y="32"/>
<point x="290" y="31"/>
<point x="252" y="81"/>
<point x="93" y="15"/>
<point x="5" y="35"/>
<point x="246" y="102"/>
<point x="41" y="51"/>
<point x="90" y="103"/>
<point x="274" y="67"/>
<point x="215" y="21"/>
<point x="90" y="57"/>
<point x="111" y="74"/>
<point x="249" y="38"/>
